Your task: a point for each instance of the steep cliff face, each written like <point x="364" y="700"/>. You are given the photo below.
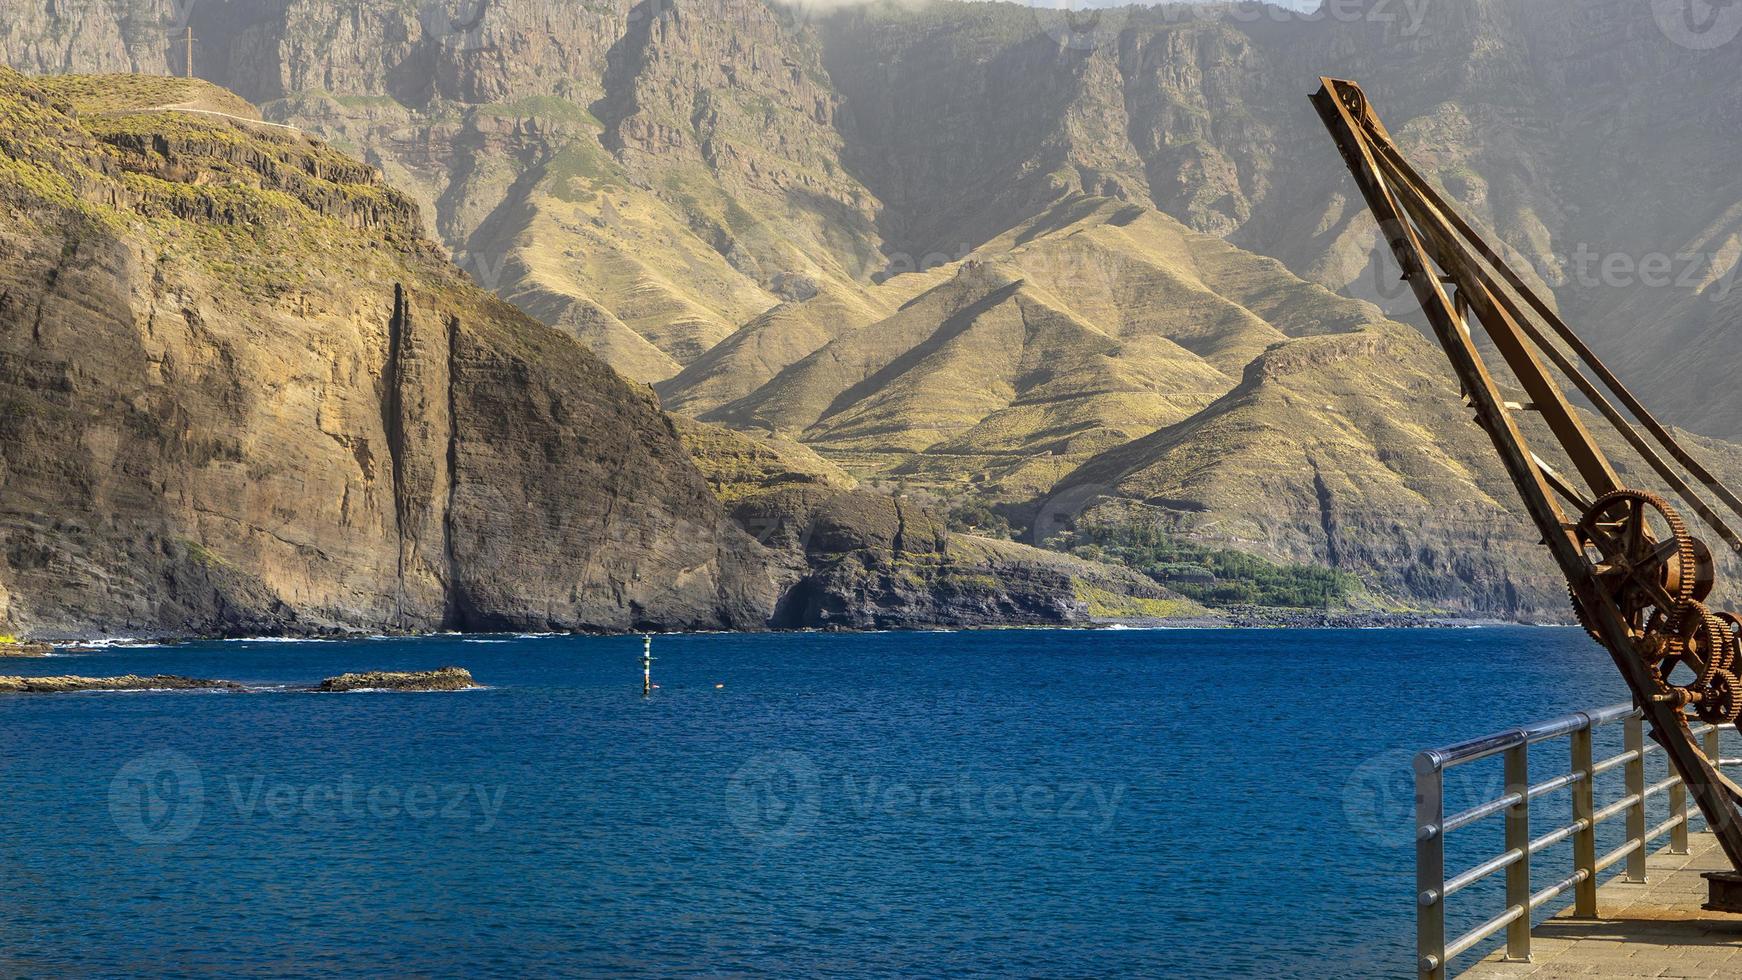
<point x="1351" y="451"/>
<point x="123" y="36"/>
<point x="654" y="176"/>
<point x="1083" y="212"/>
<point x="1569" y="129"/>
<point x="848" y="558"/>
<point x="646" y="177"/>
<point x="242" y="393"/>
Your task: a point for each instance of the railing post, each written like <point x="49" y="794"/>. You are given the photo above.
<point x="1518" y="839"/>
<point x="1715" y="749"/>
<point x="1635" y="739"/>
<point x="1678" y="806"/>
<point x="1584" y="841"/>
<point x="1430" y="868"/>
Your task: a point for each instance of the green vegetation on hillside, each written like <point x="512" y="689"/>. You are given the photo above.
<point x="979" y="517"/>
<point x="95" y="94"/>
<point x="1214" y="576"/>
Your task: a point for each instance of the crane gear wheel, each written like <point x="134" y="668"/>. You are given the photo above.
<point x="1640" y="566"/>
<point x="1733" y="623"/>
<point x="1702" y="643"/>
<point x="1584" y="618"/>
<point x="1721" y="701"/>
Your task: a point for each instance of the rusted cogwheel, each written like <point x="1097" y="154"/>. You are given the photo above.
<point x="1641" y="551"/>
<point x="1579" y="614"/>
<point x="1721" y="701"/>
<point x="1733" y="624"/>
<point x="1702" y="643"/>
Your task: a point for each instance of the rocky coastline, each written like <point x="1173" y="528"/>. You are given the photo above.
<point x="1246" y="617"/>
<point x="66" y="684"/>
<point x="440" y="679"/>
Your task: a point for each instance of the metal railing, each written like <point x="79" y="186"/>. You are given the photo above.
<point x="1433" y="949"/>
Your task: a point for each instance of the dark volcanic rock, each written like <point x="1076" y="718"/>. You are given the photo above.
<point x="849" y="558"/>
<point x="877" y="562"/>
<point x="440" y="679"/>
<point x="126" y="682"/>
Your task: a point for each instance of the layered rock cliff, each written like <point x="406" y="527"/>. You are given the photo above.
<point x="243" y="393"/>
<point x="973" y="247"/>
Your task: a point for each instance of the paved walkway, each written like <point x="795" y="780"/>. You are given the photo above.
<point x="1652" y="930"/>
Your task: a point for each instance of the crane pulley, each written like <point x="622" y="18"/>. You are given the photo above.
<point x="1637" y="577"/>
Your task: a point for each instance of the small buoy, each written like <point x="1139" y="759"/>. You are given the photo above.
<point x="718" y="686"/>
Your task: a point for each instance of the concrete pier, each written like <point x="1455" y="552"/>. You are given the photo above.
<point x="1652" y="930"/>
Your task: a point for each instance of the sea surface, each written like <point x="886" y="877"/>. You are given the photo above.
<point x="1180" y="803"/>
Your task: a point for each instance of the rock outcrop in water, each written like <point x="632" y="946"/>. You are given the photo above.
<point x="66" y="684"/>
<point x="440" y="679"/>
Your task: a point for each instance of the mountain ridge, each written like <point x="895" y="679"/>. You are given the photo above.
<point x="792" y="221"/>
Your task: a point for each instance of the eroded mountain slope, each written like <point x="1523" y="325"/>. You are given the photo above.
<point x="243" y="393"/>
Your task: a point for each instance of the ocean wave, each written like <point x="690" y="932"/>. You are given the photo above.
<point x="397" y="690"/>
<point x="156" y="690"/>
<point x="110" y="642"/>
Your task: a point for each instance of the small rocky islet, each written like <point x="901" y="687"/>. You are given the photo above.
<point x="441" y="679"/>
<point x="68" y="683"/>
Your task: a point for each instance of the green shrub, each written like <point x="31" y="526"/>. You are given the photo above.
<point x="1213" y="576"/>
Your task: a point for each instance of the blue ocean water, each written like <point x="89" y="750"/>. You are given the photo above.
<point x="1162" y="803"/>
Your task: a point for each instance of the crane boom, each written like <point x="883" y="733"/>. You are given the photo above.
<point x="1637" y="577"/>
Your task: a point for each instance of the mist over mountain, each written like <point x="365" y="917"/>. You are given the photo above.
<point x="1072" y="268"/>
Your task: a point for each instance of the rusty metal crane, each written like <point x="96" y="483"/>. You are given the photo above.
<point x="1637" y="578"/>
